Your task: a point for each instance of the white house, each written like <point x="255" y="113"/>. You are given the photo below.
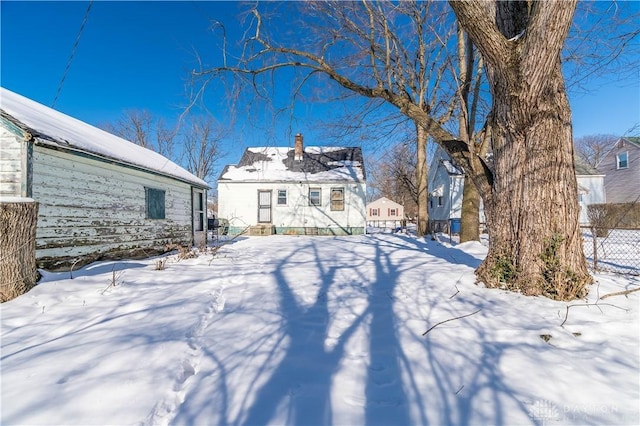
<point x="384" y="213"/>
<point x="100" y="196"/>
<point x="446" y="185"/>
<point x="591" y="187"/>
<point x="312" y="190"/>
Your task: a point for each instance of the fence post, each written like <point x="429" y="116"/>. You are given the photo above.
<point x="594" y="239"/>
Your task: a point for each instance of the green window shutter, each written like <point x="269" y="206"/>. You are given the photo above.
<point x="155" y="203"/>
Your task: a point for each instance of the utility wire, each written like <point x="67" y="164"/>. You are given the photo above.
<point x="73" y="51"/>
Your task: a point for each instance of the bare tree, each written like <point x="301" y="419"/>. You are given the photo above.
<point x="135" y="126"/>
<point x="202" y="145"/>
<point x="470" y="79"/>
<point x="196" y="144"/>
<point x="592" y="148"/>
<point x="393" y="175"/>
<point x="529" y="185"/>
<point x="359" y="35"/>
<point x="142" y="128"/>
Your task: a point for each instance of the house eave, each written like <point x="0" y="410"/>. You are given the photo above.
<point x="45" y="143"/>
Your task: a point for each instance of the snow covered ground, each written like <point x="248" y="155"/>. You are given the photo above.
<point x="315" y="330"/>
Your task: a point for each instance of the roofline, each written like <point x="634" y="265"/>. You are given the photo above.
<point x="105" y="159"/>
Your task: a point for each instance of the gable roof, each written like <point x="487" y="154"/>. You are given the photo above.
<point x="277" y="164"/>
<point x="384" y="200"/>
<point x="52" y="128"/>
<point x="633" y="139"/>
<point x="583" y="168"/>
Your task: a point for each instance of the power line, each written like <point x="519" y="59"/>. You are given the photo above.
<point x="73" y="51"/>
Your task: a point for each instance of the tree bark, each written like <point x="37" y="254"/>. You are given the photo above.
<point x="532" y="207"/>
<point x="470" y="216"/>
<point x="421" y="180"/>
<point x="18" y="272"/>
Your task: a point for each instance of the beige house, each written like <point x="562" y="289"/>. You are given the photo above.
<point x="384" y="213"/>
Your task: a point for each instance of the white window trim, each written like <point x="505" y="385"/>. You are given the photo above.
<point x="626" y="153"/>
<point x="286" y="198"/>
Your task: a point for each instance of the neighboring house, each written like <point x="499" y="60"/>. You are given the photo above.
<point x="100" y="196"/>
<point x="621" y="167"/>
<point x="591" y="187"/>
<point x="312" y="190"/>
<point x="446" y="185"/>
<point x="383" y="212"/>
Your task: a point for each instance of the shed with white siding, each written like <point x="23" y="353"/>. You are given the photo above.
<point x="100" y="196"/>
<point x="312" y="190"/>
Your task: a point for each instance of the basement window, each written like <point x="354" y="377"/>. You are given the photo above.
<point x="155" y="203"/>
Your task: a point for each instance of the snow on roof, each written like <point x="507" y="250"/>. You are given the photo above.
<point x="451" y="168"/>
<point x="319" y="164"/>
<point x="51" y="127"/>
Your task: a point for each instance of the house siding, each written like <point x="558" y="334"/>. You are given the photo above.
<point x="11" y="167"/>
<point x="384" y="205"/>
<point x="621" y="185"/>
<point x="238" y="202"/>
<point x="591" y="191"/>
<point x="89" y="208"/>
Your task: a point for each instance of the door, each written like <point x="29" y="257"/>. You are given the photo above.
<point x="264" y="206"/>
<point x="199" y="210"/>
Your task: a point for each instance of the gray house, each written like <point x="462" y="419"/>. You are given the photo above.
<point x="100" y="196"/>
<point x="621" y="167"/>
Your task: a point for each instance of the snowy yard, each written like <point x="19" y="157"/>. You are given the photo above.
<point x="316" y="330"/>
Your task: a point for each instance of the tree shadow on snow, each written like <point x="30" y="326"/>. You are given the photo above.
<point x="301" y="385"/>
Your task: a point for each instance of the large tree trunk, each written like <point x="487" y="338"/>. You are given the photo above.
<point x="470" y="216"/>
<point x="532" y="207"/>
<point x="421" y="181"/>
<point x="18" y="273"/>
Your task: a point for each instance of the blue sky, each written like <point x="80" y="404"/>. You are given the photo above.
<point x="136" y="55"/>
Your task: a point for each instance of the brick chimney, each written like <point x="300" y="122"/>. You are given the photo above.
<point x="298" y="147"/>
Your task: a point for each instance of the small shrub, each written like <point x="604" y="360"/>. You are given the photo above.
<point x="161" y="264"/>
<point x="504" y="270"/>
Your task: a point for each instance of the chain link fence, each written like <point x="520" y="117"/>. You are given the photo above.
<point x="612" y="250"/>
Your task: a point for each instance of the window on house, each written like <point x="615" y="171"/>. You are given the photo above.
<point x="440" y="202"/>
<point x="282" y="197"/>
<point x="198" y="210"/>
<point x="337" y="198"/>
<point x="623" y="160"/>
<point x="315" y="197"/>
<point x="155" y="205"/>
<point x="392" y="212"/>
<point x="373" y="212"/>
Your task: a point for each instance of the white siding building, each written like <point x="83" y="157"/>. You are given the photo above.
<point x="100" y="196"/>
<point x="317" y="190"/>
